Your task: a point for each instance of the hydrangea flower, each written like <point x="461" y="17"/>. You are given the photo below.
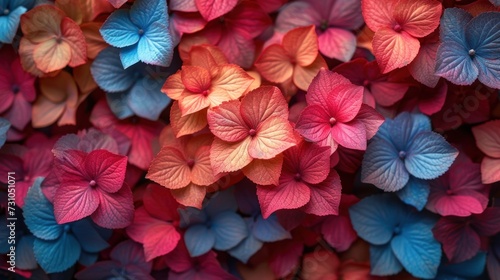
<point x="57" y="247"/>
<point x="141" y="33"/>
<point x="216" y="226"/>
<point x="127" y="261"/>
<point x="468" y="47"/>
<point x="260" y="229"/>
<point x="399" y="237"/>
<point x="470" y="269"/>
<point x="10" y="16"/>
<point x="333" y="19"/>
<point x="405" y="152"/>
<point x="132" y="91"/>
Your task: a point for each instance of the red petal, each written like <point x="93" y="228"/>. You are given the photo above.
<point x="75" y="201"/>
<point x="263" y="103"/>
<point x="313" y="123"/>
<point x="378" y="14"/>
<point x="290" y="194"/>
<point x="211" y="9"/>
<point x="107" y="169"/>
<point x="419" y="18"/>
<point x="371" y="119"/>
<point x="159" y="202"/>
<point x="350" y="135"/>
<point x="196" y="79"/>
<point x="325" y="197"/>
<point x="394" y="50"/>
<point x="460" y="241"/>
<point x="115" y="210"/>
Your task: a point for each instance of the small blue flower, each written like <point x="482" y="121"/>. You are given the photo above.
<point x="216" y="226"/>
<point x="132" y="91"/>
<point x="4" y="127"/>
<point x="469" y="47"/>
<point x="405" y="152"/>
<point x="10" y="16"/>
<point x="141" y="33"/>
<point x="400" y="237"/>
<point x="64" y="243"/>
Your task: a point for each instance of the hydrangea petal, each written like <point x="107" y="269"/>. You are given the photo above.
<point x="119" y="31"/>
<point x="63" y="252"/>
<point x="229" y="229"/>
<point x="383" y="261"/>
<point x="199" y="240"/>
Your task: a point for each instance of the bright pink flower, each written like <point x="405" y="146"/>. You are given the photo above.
<point x="306" y="181"/>
<point x="398" y="24"/>
<point x="334" y="20"/>
<point x="488" y="141"/>
<point x="93" y="185"/>
<point x="335" y="114"/>
<point x="17" y="89"/>
<point x="141" y="132"/>
<point x="382" y="89"/>
<point x="461" y="236"/>
<point x="183" y="266"/>
<point x="155" y="223"/>
<point x="459" y="192"/>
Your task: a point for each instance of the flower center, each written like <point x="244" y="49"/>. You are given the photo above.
<point x="366" y="83"/>
<point x="141" y="31"/>
<point x="397" y="28"/>
<point x="205" y="93"/>
<point x="402" y="154"/>
<point x="59" y="40"/>
<point x="190" y="163"/>
<point x="66" y="228"/>
<point x="297" y="177"/>
<point x="15" y="88"/>
<point x="324" y="25"/>
<point x="252" y="132"/>
<point x="396" y="230"/>
<point x="472" y="52"/>
<point x="333" y="121"/>
<point x="449" y="192"/>
<point x="6" y="11"/>
<point x="92" y="183"/>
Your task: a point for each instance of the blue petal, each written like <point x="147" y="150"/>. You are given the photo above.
<point x="145" y="12"/>
<point x="221" y="201"/>
<point x="39" y="214"/>
<point x="248" y="247"/>
<point x="383" y="167"/>
<point x="9" y="24"/>
<point x="129" y="56"/>
<point x="415" y="193"/>
<point x="87" y="259"/>
<point x="483" y="36"/>
<point x="199" y="240"/>
<point x="118" y="103"/>
<point x="191" y="216"/>
<point x="405" y="126"/>
<point x="454" y="64"/>
<point x="88" y="237"/>
<point x="452" y="28"/>
<point x="384" y="130"/>
<point x="119" y="31"/>
<point x="24" y="251"/>
<point x="109" y="74"/>
<point x="146" y="99"/>
<point x="269" y="230"/>
<point x="156" y="46"/>
<point x="229" y="230"/>
<point x="374" y="218"/>
<point x="383" y="262"/>
<point x="4" y="127"/>
<point x="57" y="255"/>
<point x="467" y="269"/>
<point x="416" y="248"/>
<point x="429" y="156"/>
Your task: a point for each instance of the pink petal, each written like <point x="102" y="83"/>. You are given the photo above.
<point x="314" y="123"/>
<point x="325" y="197"/>
<point x="350" y="135"/>
<point x="115" y="210"/>
<point x="107" y="169"/>
<point x="290" y="194"/>
<point x="75" y="201"/>
<point x="337" y="43"/>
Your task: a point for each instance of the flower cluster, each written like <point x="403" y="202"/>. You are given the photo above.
<point x="250" y="139"/>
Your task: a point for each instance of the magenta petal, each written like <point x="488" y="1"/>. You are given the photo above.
<point x="337" y="43"/>
<point x="314" y="123"/>
<point x="19" y="113"/>
<point x="325" y="196"/>
<point x="75" y="201"/>
<point x="115" y="210"/>
<point x="350" y="135"/>
<point x="338" y="232"/>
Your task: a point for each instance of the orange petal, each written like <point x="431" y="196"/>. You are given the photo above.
<point x="274" y="65"/>
<point x="303" y="76"/>
<point x="73" y="35"/>
<point x="189" y="41"/>
<point x="227" y="157"/>
<point x="206" y="56"/>
<point x="192" y="195"/>
<point x="264" y="171"/>
<point x="202" y="173"/>
<point x="43" y="18"/>
<point x="263" y="103"/>
<point x="84" y="79"/>
<point x="196" y="79"/>
<point x="273" y="137"/>
<point x="72" y="8"/>
<point x="168" y="138"/>
<point x="26" y="49"/>
<point x="257" y="80"/>
<point x="45" y="112"/>
<point x="93" y="38"/>
<point x="302" y="45"/>
<point x="174" y="87"/>
<point x="169" y="168"/>
<point x="59" y="89"/>
<point x="188" y="124"/>
<point x="193" y="102"/>
<point x="231" y="80"/>
<point x="51" y="55"/>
